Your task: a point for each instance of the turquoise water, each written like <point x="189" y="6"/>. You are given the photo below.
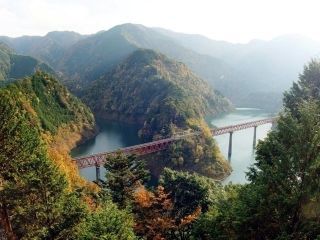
<point x="116" y="135"/>
<point x="112" y="136"/>
<point x="242" y="141"/>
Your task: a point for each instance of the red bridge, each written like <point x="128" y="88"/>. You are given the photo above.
<point x="99" y="159"/>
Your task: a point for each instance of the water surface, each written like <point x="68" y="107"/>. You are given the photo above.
<point x="242" y="141"/>
<point x="113" y="136"/>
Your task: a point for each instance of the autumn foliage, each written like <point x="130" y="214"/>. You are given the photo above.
<point x="154" y="213"/>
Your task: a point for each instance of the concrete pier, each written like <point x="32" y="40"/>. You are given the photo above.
<point x="98" y="173"/>
<point x="255" y="137"/>
<point x="230" y="146"/>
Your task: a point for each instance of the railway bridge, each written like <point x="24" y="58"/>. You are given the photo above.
<point x="98" y="159"/>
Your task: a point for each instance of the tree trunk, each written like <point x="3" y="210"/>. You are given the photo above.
<point x="6" y="224"/>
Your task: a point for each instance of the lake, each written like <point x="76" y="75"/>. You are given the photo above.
<point x="113" y="136"/>
<point x="242" y="141"/>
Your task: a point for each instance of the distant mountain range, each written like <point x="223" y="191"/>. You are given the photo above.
<point x="154" y="91"/>
<point x="14" y="66"/>
<point x="252" y="75"/>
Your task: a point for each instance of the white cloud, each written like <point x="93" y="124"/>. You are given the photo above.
<point x="231" y="20"/>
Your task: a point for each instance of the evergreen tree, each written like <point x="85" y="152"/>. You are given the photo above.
<point x="107" y="222"/>
<point x="307" y="88"/>
<point x="285" y="180"/>
<point x="124" y="174"/>
<point x="34" y="199"/>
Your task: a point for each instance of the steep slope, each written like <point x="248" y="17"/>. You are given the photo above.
<point x="165" y="98"/>
<point x="60" y="117"/>
<point x="268" y="67"/>
<point x="4" y="61"/>
<point x="49" y="48"/>
<point x="97" y="54"/>
<point x="13" y="66"/>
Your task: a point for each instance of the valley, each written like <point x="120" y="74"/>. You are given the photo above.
<point x="113" y="136"/>
<point x="64" y="95"/>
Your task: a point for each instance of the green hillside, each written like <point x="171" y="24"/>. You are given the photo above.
<point x="97" y="54"/>
<point x="164" y="97"/>
<point x="61" y="118"/>
<point x="49" y="48"/>
<point x="13" y="66"/>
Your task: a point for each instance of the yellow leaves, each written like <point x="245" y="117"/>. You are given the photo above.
<point x="155" y="214"/>
<point x="143" y="197"/>
<point x="58" y="150"/>
<point x="190" y="218"/>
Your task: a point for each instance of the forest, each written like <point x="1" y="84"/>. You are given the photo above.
<point x="98" y="91"/>
<point x="40" y="201"/>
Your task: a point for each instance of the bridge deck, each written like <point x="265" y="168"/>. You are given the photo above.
<point x="98" y="159"/>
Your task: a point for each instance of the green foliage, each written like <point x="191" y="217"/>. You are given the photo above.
<point x="188" y="191"/>
<point x="13" y="66"/>
<point x="124" y="174"/>
<point x="286" y="175"/>
<point x="107" y="222"/>
<point x="33" y="197"/>
<point x="162" y="96"/>
<point x="222" y="219"/>
<point x="4" y="61"/>
<point x="307" y="88"/>
<point x="283" y="186"/>
<point x="52" y="102"/>
<point x="153" y="90"/>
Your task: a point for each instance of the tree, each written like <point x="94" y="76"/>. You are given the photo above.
<point x="285" y="180"/>
<point x="155" y="215"/>
<point x="34" y="199"/>
<point x="124" y="174"/>
<point x="191" y="195"/>
<point x="107" y="222"/>
<point x="307" y="88"/>
<point x="220" y="221"/>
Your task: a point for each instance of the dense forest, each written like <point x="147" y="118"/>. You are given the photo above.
<point x="252" y="74"/>
<point x="14" y="66"/>
<point x="164" y="98"/>
<point x="281" y="201"/>
<point x="123" y="75"/>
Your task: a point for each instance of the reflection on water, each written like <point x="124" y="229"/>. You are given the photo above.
<point x="112" y="136"/>
<point x="116" y="135"/>
<point x="242" y="141"/>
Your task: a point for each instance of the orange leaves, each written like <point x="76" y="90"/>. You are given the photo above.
<point x="190" y="218"/>
<point x="143" y="197"/>
<point x="154" y="214"/>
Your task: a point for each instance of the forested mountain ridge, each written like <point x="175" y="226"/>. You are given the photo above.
<point x="41" y="193"/>
<point x="164" y="97"/>
<point x="268" y="67"/>
<point x="83" y="59"/>
<point x="60" y="118"/>
<point x="253" y="74"/>
<point x="89" y="58"/>
<point x="49" y="48"/>
<point x="14" y="66"/>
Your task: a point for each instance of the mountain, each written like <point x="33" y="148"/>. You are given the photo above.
<point x="165" y="98"/>
<point x="49" y="48"/>
<point x="252" y="75"/>
<point x="97" y="54"/>
<point x="14" y="66"/>
<point x="61" y="119"/>
<point x="147" y="85"/>
<point x="267" y="67"/>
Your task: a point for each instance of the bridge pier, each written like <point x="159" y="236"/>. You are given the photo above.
<point x="255" y="137"/>
<point x="98" y="173"/>
<point x="230" y="146"/>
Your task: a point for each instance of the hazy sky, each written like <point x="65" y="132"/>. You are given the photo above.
<point x="231" y="20"/>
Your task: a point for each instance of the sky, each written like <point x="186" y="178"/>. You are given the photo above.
<point x="230" y="20"/>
